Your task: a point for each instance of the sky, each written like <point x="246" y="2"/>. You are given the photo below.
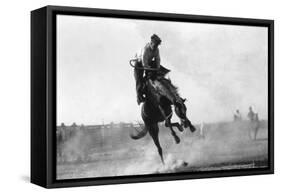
<point x="218" y="68"/>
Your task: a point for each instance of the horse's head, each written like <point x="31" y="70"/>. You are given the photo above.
<point x="180" y="110"/>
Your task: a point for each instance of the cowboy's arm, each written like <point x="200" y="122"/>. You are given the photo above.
<point x="145" y="57"/>
<point x="157" y="59"/>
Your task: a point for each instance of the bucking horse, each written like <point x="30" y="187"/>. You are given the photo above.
<point x="160" y="96"/>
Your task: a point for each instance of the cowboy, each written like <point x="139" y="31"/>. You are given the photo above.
<point x="148" y="58"/>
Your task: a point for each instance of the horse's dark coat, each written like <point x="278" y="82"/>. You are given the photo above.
<point x="160" y="95"/>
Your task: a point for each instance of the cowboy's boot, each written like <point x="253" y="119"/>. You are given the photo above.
<point x="140" y="99"/>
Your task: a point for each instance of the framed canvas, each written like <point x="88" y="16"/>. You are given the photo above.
<point x="126" y="96"/>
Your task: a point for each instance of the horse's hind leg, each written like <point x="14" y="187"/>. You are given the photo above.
<point x="154" y="132"/>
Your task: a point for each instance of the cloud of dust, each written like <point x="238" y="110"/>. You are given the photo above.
<point x="223" y="143"/>
<point x="77" y="147"/>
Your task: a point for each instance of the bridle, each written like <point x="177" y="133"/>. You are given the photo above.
<point x="182" y="119"/>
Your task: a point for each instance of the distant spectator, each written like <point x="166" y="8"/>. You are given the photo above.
<point x="61" y="131"/>
<point x="257" y="117"/>
<point x="237" y="116"/>
<point x="251" y="114"/>
<point x="74" y="125"/>
<point x="62" y="125"/>
<point x="82" y="127"/>
<point x="73" y="130"/>
<point x="255" y="123"/>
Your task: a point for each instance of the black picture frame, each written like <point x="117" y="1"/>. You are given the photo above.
<point x="43" y="95"/>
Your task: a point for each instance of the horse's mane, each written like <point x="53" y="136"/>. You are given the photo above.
<point x="167" y="83"/>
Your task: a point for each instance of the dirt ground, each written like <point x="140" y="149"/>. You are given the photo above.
<point x="221" y="146"/>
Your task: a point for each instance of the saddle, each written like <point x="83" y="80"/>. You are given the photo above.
<point x="161" y="73"/>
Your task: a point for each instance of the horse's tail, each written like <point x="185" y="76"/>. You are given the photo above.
<point x="139" y="134"/>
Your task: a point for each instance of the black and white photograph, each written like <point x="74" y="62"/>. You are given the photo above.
<point x="142" y="97"/>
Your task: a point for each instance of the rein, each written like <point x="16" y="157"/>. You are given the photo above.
<point x="142" y="68"/>
<point x="168" y="115"/>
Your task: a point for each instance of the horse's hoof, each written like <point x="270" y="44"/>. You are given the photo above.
<point x="192" y="128"/>
<point x="177" y="139"/>
<point x="180" y="129"/>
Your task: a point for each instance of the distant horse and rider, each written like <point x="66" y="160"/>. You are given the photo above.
<point x="254" y="123"/>
<point x="158" y="95"/>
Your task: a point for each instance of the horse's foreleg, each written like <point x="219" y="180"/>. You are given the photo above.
<point x="166" y="118"/>
<point x="191" y="127"/>
<point x="171" y="125"/>
<point x="178" y="126"/>
<point x="176" y="138"/>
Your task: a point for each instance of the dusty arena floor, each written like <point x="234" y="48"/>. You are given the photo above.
<point x="224" y="146"/>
